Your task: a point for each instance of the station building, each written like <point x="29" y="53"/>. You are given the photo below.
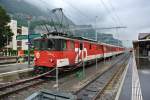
<point x="142" y="48"/>
<point x="18" y="44"/>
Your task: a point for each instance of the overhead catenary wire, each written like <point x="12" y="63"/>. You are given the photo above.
<point x="101" y="28"/>
<point x="68" y="14"/>
<point x="45" y="4"/>
<point x="115" y="18"/>
<point x="101" y="2"/>
<point x="56" y="16"/>
<point x="79" y="11"/>
<point x="115" y="13"/>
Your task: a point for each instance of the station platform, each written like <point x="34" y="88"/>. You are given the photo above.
<point x="8" y="68"/>
<point x="12" y="72"/>
<point x="135" y="82"/>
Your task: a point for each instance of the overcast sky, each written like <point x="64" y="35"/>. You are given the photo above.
<point x="134" y="14"/>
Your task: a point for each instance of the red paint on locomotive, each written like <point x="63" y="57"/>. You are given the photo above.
<point x="60" y="51"/>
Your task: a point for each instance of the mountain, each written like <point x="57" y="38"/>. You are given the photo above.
<point x="20" y="6"/>
<point x="20" y="10"/>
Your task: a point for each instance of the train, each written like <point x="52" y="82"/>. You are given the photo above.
<point x="69" y="52"/>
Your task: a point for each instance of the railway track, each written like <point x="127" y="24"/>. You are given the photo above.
<point x="21" y="85"/>
<point x="95" y="88"/>
<point x="14" y="87"/>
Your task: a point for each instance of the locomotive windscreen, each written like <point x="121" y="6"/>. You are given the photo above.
<point x="49" y="44"/>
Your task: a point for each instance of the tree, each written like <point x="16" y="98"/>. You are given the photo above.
<point x="5" y="31"/>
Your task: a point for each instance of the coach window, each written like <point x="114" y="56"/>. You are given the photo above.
<point x="71" y="45"/>
<point x="90" y="46"/>
<point x="81" y="46"/>
<point x="97" y="47"/>
<point x="100" y="47"/>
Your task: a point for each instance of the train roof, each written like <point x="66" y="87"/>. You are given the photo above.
<point x="79" y="39"/>
<point x="111" y="45"/>
<point x="70" y="38"/>
<point x="85" y="39"/>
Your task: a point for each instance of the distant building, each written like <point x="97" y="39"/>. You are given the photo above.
<point x="17" y="44"/>
<point x="108" y="38"/>
<point x="22" y="44"/>
<point x="89" y="32"/>
<point x="142" y="47"/>
<point x="84" y="31"/>
<point x="13" y="27"/>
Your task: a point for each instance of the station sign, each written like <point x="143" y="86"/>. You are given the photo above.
<point x="24" y="37"/>
<point x="21" y="37"/>
<point x="32" y="36"/>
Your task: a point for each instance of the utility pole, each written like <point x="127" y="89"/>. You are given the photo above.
<point x="29" y="20"/>
<point x="83" y="59"/>
<point x="118" y="38"/>
<point x="96" y="38"/>
<point x="57" y="73"/>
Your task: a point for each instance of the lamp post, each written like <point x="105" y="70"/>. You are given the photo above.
<point x="83" y="59"/>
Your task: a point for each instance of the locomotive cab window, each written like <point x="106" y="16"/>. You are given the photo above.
<point x="44" y="44"/>
<point x="50" y="45"/>
<point x="63" y="44"/>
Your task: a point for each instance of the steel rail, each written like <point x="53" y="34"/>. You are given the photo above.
<point x="94" y="80"/>
<point x="19" y="88"/>
<point x="25" y="82"/>
<point x="114" y="75"/>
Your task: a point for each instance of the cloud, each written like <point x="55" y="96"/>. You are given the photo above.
<point x="133" y="14"/>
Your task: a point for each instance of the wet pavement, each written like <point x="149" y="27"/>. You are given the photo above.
<point x="126" y="91"/>
<point x="144" y="76"/>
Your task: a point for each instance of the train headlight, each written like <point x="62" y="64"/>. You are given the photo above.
<point x="51" y="60"/>
<point x="37" y="55"/>
<point x="35" y="59"/>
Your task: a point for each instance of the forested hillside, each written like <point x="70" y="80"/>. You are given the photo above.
<point x="21" y="10"/>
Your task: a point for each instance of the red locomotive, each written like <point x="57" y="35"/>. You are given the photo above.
<point x="65" y="52"/>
